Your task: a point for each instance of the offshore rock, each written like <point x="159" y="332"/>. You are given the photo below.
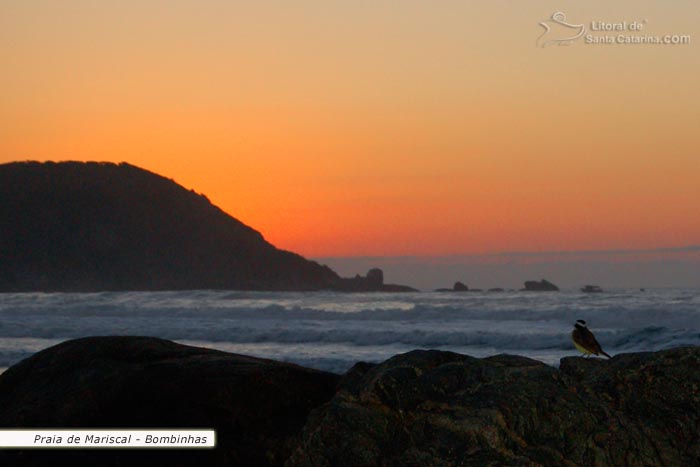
<point x="457" y="287"/>
<point x="372" y="282"/>
<point x="540" y="286"/>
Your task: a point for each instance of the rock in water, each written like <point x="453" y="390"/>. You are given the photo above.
<point x="431" y="408"/>
<point x="375" y="277"/>
<point x="257" y="406"/>
<point x="540" y="286"/>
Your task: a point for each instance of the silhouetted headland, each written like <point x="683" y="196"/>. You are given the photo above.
<point x="75" y="226"/>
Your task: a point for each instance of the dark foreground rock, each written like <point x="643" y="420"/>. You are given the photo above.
<point x="430" y="408"/>
<point x="423" y="408"/>
<point x="258" y="407"/>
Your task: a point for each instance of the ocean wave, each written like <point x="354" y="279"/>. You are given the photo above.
<point x="512" y="336"/>
<point x="304" y="326"/>
<point x="680" y="312"/>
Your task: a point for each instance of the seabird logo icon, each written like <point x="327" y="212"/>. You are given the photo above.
<point x="558" y="31"/>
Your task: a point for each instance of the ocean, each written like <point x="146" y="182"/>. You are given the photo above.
<point x="331" y="331"/>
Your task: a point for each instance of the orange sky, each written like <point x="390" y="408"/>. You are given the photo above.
<point x="374" y="128"/>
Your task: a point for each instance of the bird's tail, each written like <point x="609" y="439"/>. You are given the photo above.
<point x="603" y="352"/>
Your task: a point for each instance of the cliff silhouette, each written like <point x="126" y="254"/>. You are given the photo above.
<point x="74" y="226"/>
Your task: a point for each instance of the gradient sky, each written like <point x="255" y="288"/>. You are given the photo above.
<point x="355" y="128"/>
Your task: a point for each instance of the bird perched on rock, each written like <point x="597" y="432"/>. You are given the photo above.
<point x="585" y="341"/>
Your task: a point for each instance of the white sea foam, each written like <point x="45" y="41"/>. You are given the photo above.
<point x="331" y="331"/>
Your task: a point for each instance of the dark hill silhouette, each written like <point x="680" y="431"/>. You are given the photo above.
<point x="74" y="226"/>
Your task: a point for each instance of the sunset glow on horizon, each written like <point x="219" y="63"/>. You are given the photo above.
<point x="374" y="128"/>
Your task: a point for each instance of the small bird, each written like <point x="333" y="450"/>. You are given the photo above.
<point x="585" y="341"/>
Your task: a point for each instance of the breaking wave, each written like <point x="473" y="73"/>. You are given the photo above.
<point x="330" y="331"/>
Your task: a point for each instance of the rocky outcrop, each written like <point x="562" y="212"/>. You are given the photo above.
<point x="372" y="282"/>
<point x="375" y="277"/>
<point x="430" y="408"/>
<point x="540" y="286"/>
<point x="457" y="287"/>
<point x="422" y="408"/>
<point x="258" y="407"/>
